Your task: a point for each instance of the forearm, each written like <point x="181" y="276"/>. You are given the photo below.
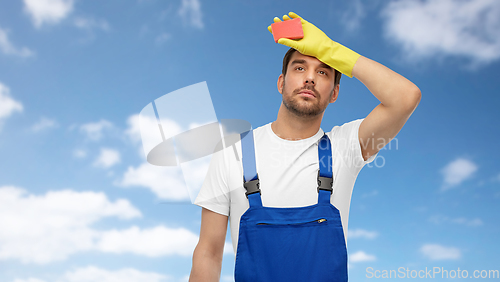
<point x="390" y="88"/>
<point x="206" y="266"/>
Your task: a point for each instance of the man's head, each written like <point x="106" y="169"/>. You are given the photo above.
<point x="307" y="84"/>
<point x="286" y="60"/>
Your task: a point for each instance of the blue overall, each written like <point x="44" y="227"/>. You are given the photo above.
<point x="290" y="244"/>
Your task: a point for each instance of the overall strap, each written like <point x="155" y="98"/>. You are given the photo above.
<point x="325" y="173"/>
<point x="250" y="177"/>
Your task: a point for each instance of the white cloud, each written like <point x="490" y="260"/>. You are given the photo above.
<point x="361" y="256"/>
<point x="165" y="182"/>
<point x="154" y="242"/>
<point x="191" y="14"/>
<point x="361" y="233"/>
<point x="228" y="248"/>
<point x="426" y="29"/>
<point x="229" y="278"/>
<point x="9" y="49"/>
<point x="50" y="227"/>
<point x="8" y="106"/>
<point x="45" y="228"/>
<point x="48" y="11"/>
<point x="456" y="172"/>
<point x="134" y="127"/>
<point x="90" y="24"/>
<point x="92" y="274"/>
<point x="107" y="158"/>
<point x="438" y="252"/>
<point x="94" y="131"/>
<point x="44" y="123"/>
<point x="142" y="127"/>
<point x="133" y="132"/>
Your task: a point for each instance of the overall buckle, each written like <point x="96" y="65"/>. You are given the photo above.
<point x="252" y="187"/>
<point x="325" y="183"/>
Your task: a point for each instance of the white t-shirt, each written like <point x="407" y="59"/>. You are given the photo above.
<point x="287" y="172"/>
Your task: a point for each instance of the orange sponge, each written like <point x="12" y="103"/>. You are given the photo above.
<point x="291" y="29"/>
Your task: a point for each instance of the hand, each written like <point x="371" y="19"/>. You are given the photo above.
<point x="313" y="37"/>
<point x="317" y="44"/>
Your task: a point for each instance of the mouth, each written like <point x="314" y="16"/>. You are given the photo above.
<point x="307" y="93"/>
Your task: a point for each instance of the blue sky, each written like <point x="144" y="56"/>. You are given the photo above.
<point x="78" y="201"/>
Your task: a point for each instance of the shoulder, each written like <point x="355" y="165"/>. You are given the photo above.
<point x="262" y="131"/>
<point x="346" y="130"/>
<point x="345" y="140"/>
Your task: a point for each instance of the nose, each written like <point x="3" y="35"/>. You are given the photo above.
<point x="309" y="78"/>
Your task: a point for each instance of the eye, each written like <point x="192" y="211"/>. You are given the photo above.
<point x="322" y="72"/>
<point x="299" y="68"/>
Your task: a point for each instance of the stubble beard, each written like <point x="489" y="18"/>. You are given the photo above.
<point x="304" y="106"/>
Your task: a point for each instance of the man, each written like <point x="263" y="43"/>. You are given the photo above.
<point x="287" y="149"/>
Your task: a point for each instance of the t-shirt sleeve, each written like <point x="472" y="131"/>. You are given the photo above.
<point x="214" y="193"/>
<point x="347" y="138"/>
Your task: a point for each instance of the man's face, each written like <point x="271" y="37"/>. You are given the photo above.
<point x="308" y="86"/>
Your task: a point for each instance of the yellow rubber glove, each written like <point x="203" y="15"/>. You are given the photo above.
<point x="316" y="44"/>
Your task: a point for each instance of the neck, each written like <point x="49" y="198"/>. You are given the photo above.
<point x="292" y="127"/>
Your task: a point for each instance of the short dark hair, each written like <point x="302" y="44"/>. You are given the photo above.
<point x="288" y="56"/>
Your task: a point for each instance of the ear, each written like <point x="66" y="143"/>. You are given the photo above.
<point x="281" y="80"/>
<point x="335" y="94"/>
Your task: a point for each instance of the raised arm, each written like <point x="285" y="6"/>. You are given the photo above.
<point x="398" y="99"/>
<point x="397" y="95"/>
<point x="207" y="256"/>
